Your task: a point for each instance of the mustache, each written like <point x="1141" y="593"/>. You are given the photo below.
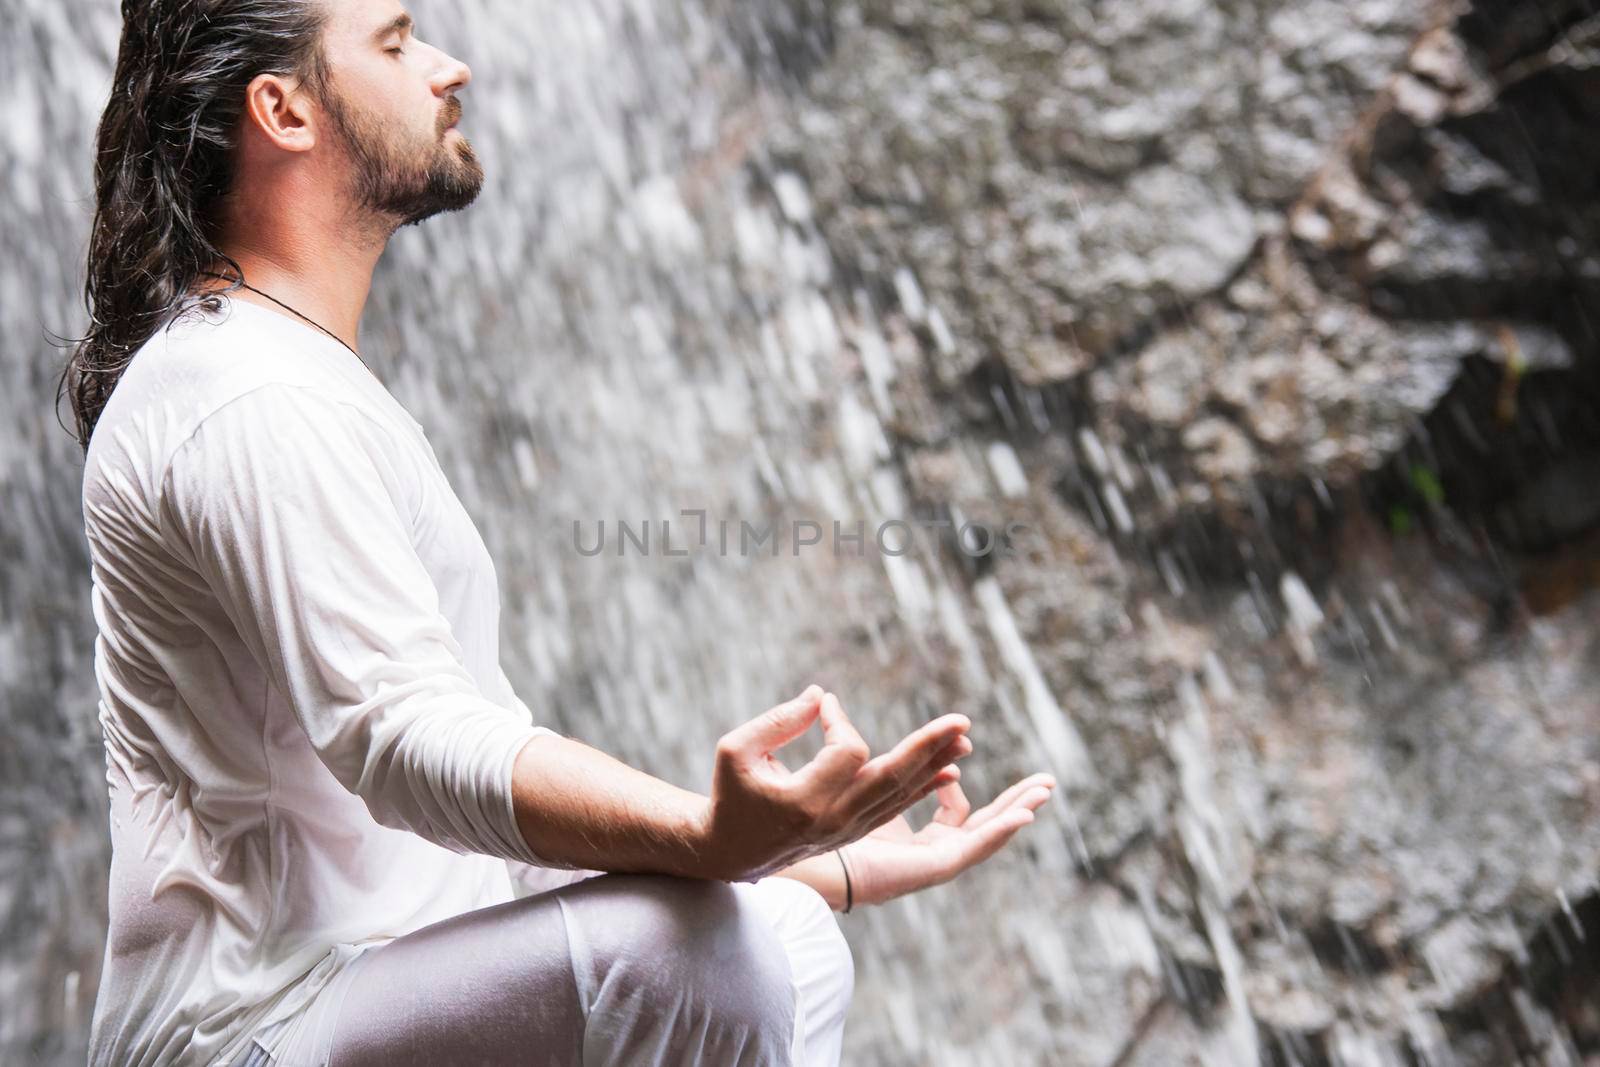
<point x="449" y="113"/>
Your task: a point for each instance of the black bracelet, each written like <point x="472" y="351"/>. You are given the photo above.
<point x="849" y="892"/>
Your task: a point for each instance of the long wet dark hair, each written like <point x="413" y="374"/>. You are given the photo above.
<point x="164" y="157"/>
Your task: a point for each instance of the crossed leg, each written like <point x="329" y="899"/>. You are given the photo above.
<point x="612" y="971"/>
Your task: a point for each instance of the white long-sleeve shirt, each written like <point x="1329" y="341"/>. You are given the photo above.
<point x="308" y="734"/>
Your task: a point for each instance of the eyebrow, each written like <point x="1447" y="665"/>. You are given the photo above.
<point x="399" y="22"/>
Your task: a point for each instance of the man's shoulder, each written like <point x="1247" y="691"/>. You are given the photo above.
<point x="200" y="363"/>
<point x="210" y="357"/>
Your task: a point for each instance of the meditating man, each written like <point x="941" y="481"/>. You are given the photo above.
<point x="325" y="796"/>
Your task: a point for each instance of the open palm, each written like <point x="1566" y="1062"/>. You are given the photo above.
<point x="893" y="859"/>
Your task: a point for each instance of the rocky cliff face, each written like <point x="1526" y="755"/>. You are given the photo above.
<point x="1269" y="323"/>
<point x="1285" y="314"/>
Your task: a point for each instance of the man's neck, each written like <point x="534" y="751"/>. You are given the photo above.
<point x="312" y="265"/>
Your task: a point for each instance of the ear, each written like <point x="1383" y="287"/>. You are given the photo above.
<point x="281" y="111"/>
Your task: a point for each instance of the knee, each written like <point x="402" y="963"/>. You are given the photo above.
<point x="726" y="955"/>
<point x="700" y="946"/>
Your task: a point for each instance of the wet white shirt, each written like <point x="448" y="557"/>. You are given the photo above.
<point x="308" y="735"/>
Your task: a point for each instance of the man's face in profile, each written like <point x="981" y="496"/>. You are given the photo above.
<point x="391" y="102"/>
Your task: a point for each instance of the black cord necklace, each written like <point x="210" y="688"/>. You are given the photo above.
<point x="246" y="285"/>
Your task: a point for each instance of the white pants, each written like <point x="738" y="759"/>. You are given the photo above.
<point x="619" y="970"/>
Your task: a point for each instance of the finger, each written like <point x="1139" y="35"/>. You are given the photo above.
<point x="939" y="772"/>
<point x="842" y="756"/>
<point x="837" y="729"/>
<point x="894" y="797"/>
<point x="939" y="768"/>
<point x="1030" y="798"/>
<point x="975" y="846"/>
<point x="942" y="767"/>
<point x="777" y="726"/>
<point x="954" y="807"/>
<point x="1008" y="798"/>
<point x="900" y="768"/>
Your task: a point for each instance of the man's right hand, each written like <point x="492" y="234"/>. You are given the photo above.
<point x="763" y="817"/>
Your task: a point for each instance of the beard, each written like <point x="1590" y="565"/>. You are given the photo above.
<point x="401" y="178"/>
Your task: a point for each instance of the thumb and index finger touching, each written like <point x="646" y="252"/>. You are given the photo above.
<point x="844" y="751"/>
<point x="784" y="722"/>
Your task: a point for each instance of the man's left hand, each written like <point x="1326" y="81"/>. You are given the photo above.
<point x="893" y="860"/>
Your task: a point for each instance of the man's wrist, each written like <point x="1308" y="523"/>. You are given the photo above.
<point x="700" y="857"/>
<point x="822" y="873"/>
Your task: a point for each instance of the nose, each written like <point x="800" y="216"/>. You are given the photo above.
<point x="451" y="75"/>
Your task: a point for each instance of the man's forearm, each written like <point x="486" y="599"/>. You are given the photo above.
<point x="577" y="806"/>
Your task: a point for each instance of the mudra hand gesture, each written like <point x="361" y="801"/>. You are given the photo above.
<point x="763" y="816"/>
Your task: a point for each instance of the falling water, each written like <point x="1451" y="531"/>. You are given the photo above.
<point x="912" y="274"/>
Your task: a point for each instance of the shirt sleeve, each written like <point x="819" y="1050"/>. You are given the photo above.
<point x="293" y="507"/>
<point x="528" y="879"/>
<point x="517" y="703"/>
